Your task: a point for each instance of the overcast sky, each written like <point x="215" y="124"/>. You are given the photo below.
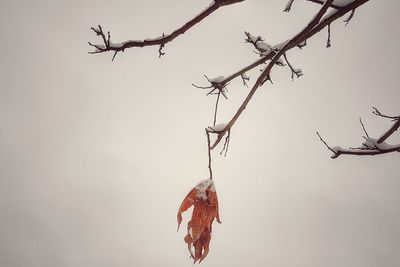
<point x="96" y="156"/>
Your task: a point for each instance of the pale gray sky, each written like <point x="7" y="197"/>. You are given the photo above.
<point x="96" y="156"/>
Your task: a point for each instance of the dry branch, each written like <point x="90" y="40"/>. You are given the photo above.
<point x="108" y="46"/>
<point x="269" y="55"/>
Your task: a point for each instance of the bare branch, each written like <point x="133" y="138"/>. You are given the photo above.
<point x="160" y="52"/>
<point x="216" y="108"/>
<point x="217" y="86"/>
<point x="328" y="41"/>
<point x="378" y="113"/>
<point x="209" y="153"/>
<point x="159" y="41"/>
<point x="244" y="79"/>
<point x="251" y="66"/>
<point x="226" y="144"/>
<point x="365" y="131"/>
<point x="327" y="146"/>
<point x="295" y="71"/>
<point x="339" y="13"/>
<point x="349" y="17"/>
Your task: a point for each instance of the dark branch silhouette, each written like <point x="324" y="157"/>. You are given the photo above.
<point x="269" y="57"/>
<point x="108" y="46"/>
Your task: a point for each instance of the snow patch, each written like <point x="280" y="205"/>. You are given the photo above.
<point x="217" y="79"/>
<point x="218" y="128"/>
<point x="202" y="187"/>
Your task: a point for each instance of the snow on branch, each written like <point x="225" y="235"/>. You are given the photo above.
<point x="259" y="44"/>
<point x="273" y="55"/>
<point x="371" y="146"/>
<point x="269" y="55"/>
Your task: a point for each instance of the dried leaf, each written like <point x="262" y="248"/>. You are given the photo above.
<point x="204" y="199"/>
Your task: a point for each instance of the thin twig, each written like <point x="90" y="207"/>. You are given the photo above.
<point x="328" y="41"/>
<point x="378" y="113"/>
<point x="297" y="72"/>
<point x="365" y="131"/>
<point x="323" y="141"/>
<point x="209" y="153"/>
<point x="244" y="79"/>
<point x="226" y="144"/>
<point x="161" y="41"/>
<point x="216" y="108"/>
<point x="349" y="17"/>
<point x="288" y="6"/>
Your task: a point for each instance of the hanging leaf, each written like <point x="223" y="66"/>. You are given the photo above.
<point x="204" y="199"/>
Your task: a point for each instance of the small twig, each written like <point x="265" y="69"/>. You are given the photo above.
<point x="258" y="43"/>
<point x="288" y="6"/>
<point x="202" y="87"/>
<point x="216" y="108"/>
<point x="209" y="153"/>
<point x="328" y="41"/>
<point x="349" y="17"/>
<point x="268" y="78"/>
<point x="244" y="79"/>
<point x="249" y="67"/>
<point x="108" y="46"/>
<point x="251" y="40"/>
<point x="378" y="113"/>
<point x="365" y="131"/>
<point x="115" y="54"/>
<point x="226" y="144"/>
<point x="331" y="149"/>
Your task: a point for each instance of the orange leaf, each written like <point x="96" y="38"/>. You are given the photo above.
<point x="204" y="199"/>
